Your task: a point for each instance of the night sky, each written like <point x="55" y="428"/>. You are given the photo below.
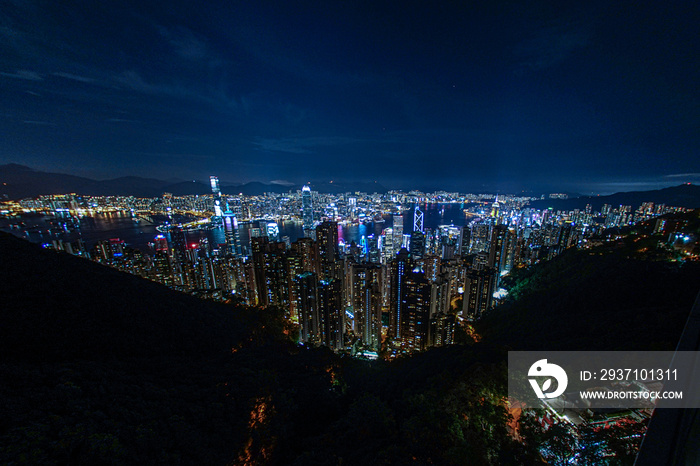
<point x="599" y="97"/>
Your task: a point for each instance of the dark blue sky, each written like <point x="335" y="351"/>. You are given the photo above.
<point x="600" y="97"/>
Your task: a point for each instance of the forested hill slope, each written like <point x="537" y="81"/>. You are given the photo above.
<point x="612" y="297"/>
<point x="100" y="367"/>
<point x="58" y="307"/>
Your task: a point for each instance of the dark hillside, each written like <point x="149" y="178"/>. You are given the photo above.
<point x="601" y="299"/>
<point x="99" y="367"/>
<point x="58" y="307"/>
<point x="685" y="195"/>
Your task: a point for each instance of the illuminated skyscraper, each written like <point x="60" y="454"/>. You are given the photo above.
<point x="307" y="251"/>
<point x="495" y="209"/>
<point x="373" y="249"/>
<point x="417" y="219"/>
<point x="398" y="232"/>
<point x="307" y="207"/>
<point x="478" y="292"/>
<point x="415" y="321"/>
<point x="400" y="267"/>
<point x="366" y="304"/>
<point x="179" y="242"/>
<point x="308" y="309"/>
<point x="273" y="231"/>
<point x="259" y="246"/>
<point x="233" y="241"/>
<point x="328" y="251"/>
<point x="481" y="236"/>
<point x="440" y="295"/>
<point x="442" y="329"/>
<point x="498" y="247"/>
<point x="214" y="180"/>
<point x="417" y="246"/>
<point x="163" y="268"/>
<point x="387" y="245"/>
<point x="565" y="237"/>
<point x="160" y="244"/>
<point x="332" y="314"/>
<point x="218" y="211"/>
<point x="465" y="241"/>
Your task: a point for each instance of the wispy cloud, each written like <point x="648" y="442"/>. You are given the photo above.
<point x="684" y="175"/>
<point x="282" y="182"/>
<point x="23" y="74"/>
<point x="170" y="155"/>
<point x="303" y="145"/>
<point x="74" y="77"/>
<point x="121" y="120"/>
<point x="132" y="80"/>
<point x="188" y="45"/>
<point x="38" y="123"/>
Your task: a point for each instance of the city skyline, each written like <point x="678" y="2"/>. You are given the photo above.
<point x="494" y="97"/>
<point x="348" y="269"/>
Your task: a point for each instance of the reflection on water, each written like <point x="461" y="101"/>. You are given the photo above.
<point x="139" y="232"/>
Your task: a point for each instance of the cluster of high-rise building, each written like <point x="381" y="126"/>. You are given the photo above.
<point x="402" y="291"/>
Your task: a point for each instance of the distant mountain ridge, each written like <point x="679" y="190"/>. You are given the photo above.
<point x="19" y="181"/>
<point x="685" y="195"/>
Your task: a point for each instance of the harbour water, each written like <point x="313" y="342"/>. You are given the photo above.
<point x="138" y="232"/>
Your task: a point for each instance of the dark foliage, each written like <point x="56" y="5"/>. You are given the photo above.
<point x="608" y="298"/>
<point x="100" y="367"/>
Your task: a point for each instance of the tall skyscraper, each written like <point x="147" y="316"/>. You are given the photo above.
<point x="495" y="209"/>
<point x="440" y="295"/>
<point x="397" y="228"/>
<point x="565" y="237"/>
<point x="163" y="268"/>
<point x="417" y="219"/>
<point x="442" y="330"/>
<point x="307" y="306"/>
<point x="366" y="304"/>
<point x="307" y="249"/>
<point x="373" y="254"/>
<point x="417" y="246"/>
<point x="270" y="272"/>
<point x="498" y="247"/>
<point x="478" y="292"/>
<point x="216" y="190"/>
<point x="307" y="208"/>
<point x="178" y="240"/>
<point x="259" y="245"/>
<point x="328" y="251"/>
<point x="233" y="242"/>
<point x="415" y="321"/>
<point x="332" y="314"/>
<point x="465" y="241"/>
<point x="387" y="245"/>
<point x="481" y="235"/>
<point x="400" y="267"/>
<point x="273" y="231"/>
